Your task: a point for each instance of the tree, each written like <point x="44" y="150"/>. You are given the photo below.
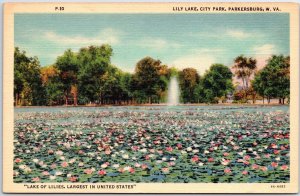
<point x="216" y="83"/>
<point x="147" y="82"/>
<point x="188" y="82"/>
<point x="273" y="81"/>
<point x="93" y="63"/>
<point x="68" y="69"/>
<point x="28" y="89"/>
<point x="111" y="90"/>
<point x="52" y="84"/>
<point x="259" y="85"/>
<point x="125" y="85"/>
<point x="244" y="68"/>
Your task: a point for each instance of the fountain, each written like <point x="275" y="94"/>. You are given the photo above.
<point x="173" y="92"/>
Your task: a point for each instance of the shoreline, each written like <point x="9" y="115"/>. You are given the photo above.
<point x="155" y="105"/>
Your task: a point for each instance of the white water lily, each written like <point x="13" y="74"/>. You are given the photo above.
<point x="98" y="158"/>
<point x="127" y="168"/>
<point x="27" y="169"/>
<point x="67" y="145"/>
<point x="189" y="149"/>
<point x="200" y="164"/>
<point x="58" y="173"/>
<point x="52" y="177"/>
<point x="206" y="152"/>
<point x="35" y="160"/>
<point x="125" y="156"/>
<point x="173" y="159"/>
<point x="116" y="166"/>
<point x="91" y="154"/>
<point x="59" y="152"/>
<point x="22" y="167"/>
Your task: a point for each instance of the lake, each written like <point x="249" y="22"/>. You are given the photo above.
<point x="152" y="144"/>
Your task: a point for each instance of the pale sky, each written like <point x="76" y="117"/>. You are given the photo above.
<point x="180" y="40"/>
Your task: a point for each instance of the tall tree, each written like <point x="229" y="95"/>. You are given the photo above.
<point x="93" y="63"/>
<point x="188" y="82"/>
<point x="68" y="69"/>
<point x="28" y="89"/>
<point x="125" y="81"/>
<point x="273" y="81"/>
<point x="216" y="83"/>
<point x="53" y="85"/>
<point x="111" y="88"/>
<point x="147" y="81"/>
<point x="259" y="85"/>
<point x="244" y="67"/>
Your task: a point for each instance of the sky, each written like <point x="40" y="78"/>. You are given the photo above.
<point x="179" y="40"/>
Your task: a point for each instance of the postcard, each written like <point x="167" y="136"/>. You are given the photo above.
<point x="151" y="98"/>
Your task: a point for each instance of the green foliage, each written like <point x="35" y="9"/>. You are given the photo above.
<point x="148" y="82"/>
<point x="115" y="88"/>
<point x="173" y="72"/>
<point x="93" y="62"/>
<point x="273" y="81"/>
<point x="216" y="83"/>
<point x="89" y="77"/>
<point x="53" y="85"/>
<point x="240" y="137"/>
<point x="28" y="89"/>
<point x="67" y="64"/>
<point x="188" y="82"/>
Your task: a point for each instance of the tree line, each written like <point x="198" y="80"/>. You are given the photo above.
<point x="88" y="77"/>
